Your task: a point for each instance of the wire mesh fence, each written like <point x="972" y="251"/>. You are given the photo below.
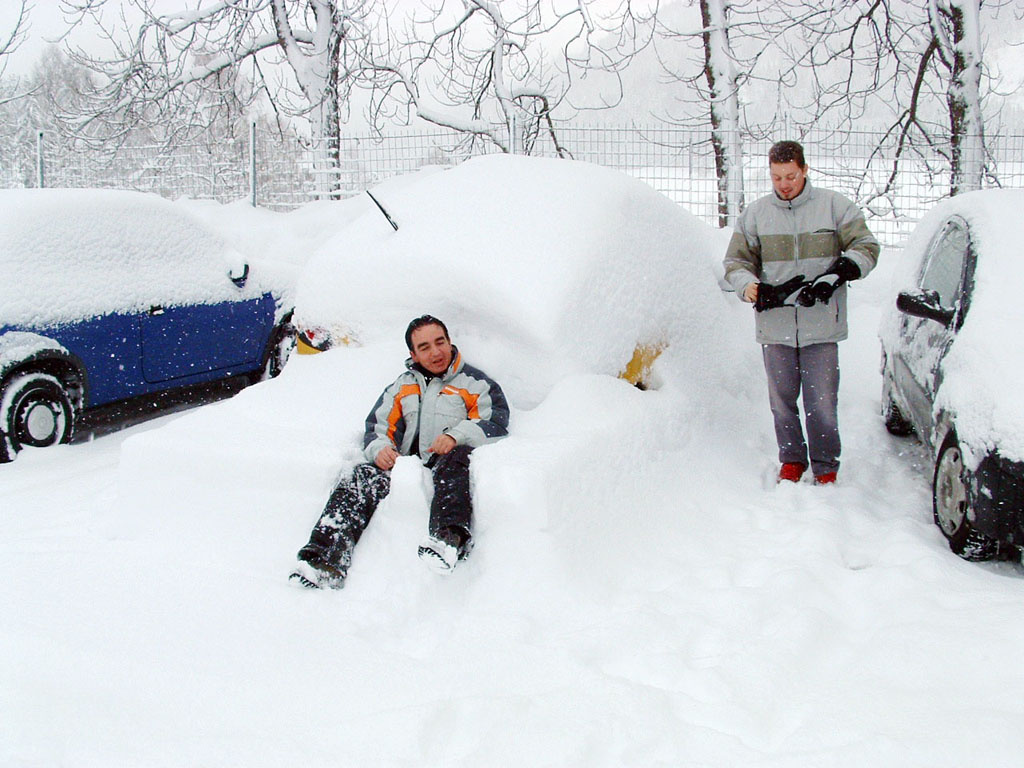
<point x="283" y="173"/>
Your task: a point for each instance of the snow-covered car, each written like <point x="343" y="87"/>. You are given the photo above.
<point x="579" y="266"/>
<point x="952" y="366"/>
<point x="109" y="295"/>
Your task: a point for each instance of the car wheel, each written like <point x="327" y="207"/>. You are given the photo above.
<point x="36" y="411"/>
<point x="951" y="505"/>
<point x="895" y="422"/>
<point x="280" y="350"/>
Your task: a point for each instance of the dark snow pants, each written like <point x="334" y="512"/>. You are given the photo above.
<point x="355" y="499"/>
<point x="814" y="371"/>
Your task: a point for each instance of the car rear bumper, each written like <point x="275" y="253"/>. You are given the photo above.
<point x="997" y="489"/>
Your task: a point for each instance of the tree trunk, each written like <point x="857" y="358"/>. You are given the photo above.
<point x="963" y="96"/>
<point x="725" y="128"/>
<point x="316" y="72"/>
<point x="331" y="121"/>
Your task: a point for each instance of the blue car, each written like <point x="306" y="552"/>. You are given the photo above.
<point x="106" y="296"/>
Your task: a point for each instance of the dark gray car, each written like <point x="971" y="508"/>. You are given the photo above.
<point x="977" y="476"/>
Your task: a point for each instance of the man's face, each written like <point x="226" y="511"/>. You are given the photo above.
<point x="431" y="348"/>
<point x="788" y="179"/>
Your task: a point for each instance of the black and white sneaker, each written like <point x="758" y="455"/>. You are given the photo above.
<point x="440" y="555"/>
<point x="317" y="575"/>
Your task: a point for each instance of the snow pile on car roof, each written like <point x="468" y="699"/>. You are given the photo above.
<point x="570" y="258"/>
<point x="985" y="365"/>
<point x="69" y="254"/>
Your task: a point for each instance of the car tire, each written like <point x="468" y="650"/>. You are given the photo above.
<point x="36" y="411"/>
<point x="895" y="422"/>
<point x="951" y="505"/>
<point x="281" y="345"/>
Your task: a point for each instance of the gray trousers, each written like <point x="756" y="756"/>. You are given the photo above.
<point x="814" y="371"/>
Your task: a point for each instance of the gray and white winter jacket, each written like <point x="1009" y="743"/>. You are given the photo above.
<point x="777" y="239"/>
<point x="413" y="411"/>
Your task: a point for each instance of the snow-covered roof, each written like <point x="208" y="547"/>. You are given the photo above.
<point x="570" y="259"/>
<point x="71" y="254"/>
<point x="984" y="367"/>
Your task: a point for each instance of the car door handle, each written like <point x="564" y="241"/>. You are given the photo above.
<point x="154" y="311"/>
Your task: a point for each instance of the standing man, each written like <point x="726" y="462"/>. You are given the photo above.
<point x="439" y="409"/>
<point x="791" y="256"/>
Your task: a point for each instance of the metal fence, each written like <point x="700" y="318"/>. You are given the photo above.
<point x="283" y="173"/>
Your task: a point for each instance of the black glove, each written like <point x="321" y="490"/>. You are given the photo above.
<point x="823" y="286"/>
<point x="772" y="296"/>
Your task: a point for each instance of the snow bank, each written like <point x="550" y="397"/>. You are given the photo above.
<point x="573" y="261"/>
<point x="66" y="255"/>
<point x="983" y="367"/>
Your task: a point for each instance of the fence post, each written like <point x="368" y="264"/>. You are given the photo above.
<point x="40" y="177"/>
<point x="252" y="164"/>
<point x="513" y="134"/>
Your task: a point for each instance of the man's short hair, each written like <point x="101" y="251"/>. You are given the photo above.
<point x="419" y="322"/>
<point x="786" y="152"/>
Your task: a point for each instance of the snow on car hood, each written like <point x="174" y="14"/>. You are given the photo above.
<point x="985" y="366"/>
<point x="570" y="259"/>
<point x="69" y="254"/>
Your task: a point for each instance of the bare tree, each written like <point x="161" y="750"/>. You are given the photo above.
<point x="927" y="61"/>
<point x="733" y="38"/>
<point x="487" y="69"/>
<point x="491" y="69"/>
<point x="168" y="69"/>
<point x="939" y="71"/>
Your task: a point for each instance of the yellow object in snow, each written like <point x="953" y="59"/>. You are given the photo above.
<point x="638" y="369"/>
<point x="317" y="341"/>
<point x="303" y="348"/>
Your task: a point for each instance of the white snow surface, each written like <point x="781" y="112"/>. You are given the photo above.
<point x="641" y="592"/>
<point x="72" y="254"/>
<point x="983" y="367"/>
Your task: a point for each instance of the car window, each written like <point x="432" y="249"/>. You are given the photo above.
<point x="944" y="268"/>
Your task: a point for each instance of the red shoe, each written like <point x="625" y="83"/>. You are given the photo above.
<point x="827" y="479"/>
<point x="792" y="471"/>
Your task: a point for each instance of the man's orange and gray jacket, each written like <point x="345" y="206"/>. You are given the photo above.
<point x="777" y="239"/>
<point x="413" y="411"/>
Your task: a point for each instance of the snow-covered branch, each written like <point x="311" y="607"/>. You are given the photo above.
<point x="491" y="69"/>
<point x="12" y="37"/>
<point x="174" y="68"/>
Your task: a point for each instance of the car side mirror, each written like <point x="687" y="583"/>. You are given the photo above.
<point x="925" y="304"/>
<point x="242" y="279"/>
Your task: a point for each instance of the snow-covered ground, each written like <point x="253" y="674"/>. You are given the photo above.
<point x="641" y="593"/>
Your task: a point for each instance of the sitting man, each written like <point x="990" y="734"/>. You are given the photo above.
<point x="440" y="409"/>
